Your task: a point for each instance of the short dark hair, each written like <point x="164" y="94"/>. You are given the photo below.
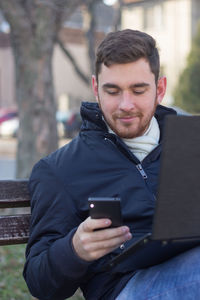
<point x="126" y="46"/>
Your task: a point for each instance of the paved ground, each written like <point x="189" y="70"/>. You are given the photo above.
<point x="8" y="149"/>
<point x="7" y="168"/>
<point x="7" y="158"/>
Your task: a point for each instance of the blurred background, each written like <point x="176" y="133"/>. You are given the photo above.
<point x="47" y="52"/>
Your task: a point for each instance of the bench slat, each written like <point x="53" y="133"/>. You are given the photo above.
<point x="14" y="229"/>
<point x="14" y="193"/>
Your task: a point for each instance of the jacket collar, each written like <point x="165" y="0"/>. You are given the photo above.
<point x="92" y="117"/>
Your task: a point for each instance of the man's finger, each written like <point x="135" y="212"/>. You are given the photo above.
<point x="109" y="243"/>
<point x="110" y="233"/>
<point x="91" y="224"/>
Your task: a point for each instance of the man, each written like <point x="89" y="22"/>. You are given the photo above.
<point x="117" y="153"/>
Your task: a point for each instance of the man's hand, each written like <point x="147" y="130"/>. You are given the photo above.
<point x="91" y="245"/>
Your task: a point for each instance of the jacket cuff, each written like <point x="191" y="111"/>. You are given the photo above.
<point x="68" y="263"/>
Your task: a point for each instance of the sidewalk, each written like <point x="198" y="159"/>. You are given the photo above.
<point x="7" y="168"/>
<point x="8" y="147"/>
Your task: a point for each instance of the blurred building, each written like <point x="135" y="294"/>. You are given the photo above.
<point x="173" y="24"/>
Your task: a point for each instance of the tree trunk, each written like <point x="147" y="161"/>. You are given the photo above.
<point x="37" y="134"/>
<point x="33" y="49"/>
<point x="90" y="33"/>
<point x="118" y="15"/>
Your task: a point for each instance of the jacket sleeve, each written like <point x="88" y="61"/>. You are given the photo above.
<point x="52" y="270"/>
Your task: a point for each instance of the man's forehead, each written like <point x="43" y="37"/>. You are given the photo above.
<point x="133" y="73"/>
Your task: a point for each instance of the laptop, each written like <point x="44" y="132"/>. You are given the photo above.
<point x="176" y="222"/>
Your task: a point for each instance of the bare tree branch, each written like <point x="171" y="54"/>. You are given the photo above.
<point x="84" y="77"/>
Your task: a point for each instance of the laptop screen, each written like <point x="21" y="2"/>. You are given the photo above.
<point x="177" y="214"/>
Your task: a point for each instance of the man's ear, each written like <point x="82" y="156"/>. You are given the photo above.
<point x="161" y="88"/>
<point x="95" y="87"/>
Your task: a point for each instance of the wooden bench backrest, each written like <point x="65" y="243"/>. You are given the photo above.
<point x="14" y="228"/>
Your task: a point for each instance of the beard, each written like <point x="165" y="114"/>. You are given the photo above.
<point x="137" y="127"/>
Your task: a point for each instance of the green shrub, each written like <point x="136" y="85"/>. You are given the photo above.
<point x="187" y="92"/>
<point x="12" y="284"/>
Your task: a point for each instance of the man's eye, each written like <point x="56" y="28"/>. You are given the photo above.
<point x="138" y="92"/>
<point x="112" y="92"/>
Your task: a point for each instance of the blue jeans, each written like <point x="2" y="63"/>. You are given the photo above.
<point x="175" y="279"/>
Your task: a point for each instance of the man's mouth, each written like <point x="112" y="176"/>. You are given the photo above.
<point x="127" y="118"/>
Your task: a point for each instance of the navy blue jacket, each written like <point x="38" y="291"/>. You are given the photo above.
<point x="94" y="164"/>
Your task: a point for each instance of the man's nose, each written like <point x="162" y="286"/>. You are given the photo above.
<point x="127" y="102"/>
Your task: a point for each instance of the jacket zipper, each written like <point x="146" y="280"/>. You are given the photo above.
<point x="138" y="166"/>
<point x="141" y="170"/>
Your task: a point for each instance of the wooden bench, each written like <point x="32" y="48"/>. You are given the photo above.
<point x="14" y="225"/>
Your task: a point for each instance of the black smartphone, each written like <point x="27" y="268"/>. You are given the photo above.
<point x="106" y="207"/>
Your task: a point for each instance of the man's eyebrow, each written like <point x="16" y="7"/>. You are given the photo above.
<point x="115" y="86"/>
<point x="138" y="85"/>
<point x="110" y="85"/>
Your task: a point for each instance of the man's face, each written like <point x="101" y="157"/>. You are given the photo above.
<point x="127" y="95"/>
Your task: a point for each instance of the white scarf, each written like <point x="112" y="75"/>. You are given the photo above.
<point x="141" y="146"/>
